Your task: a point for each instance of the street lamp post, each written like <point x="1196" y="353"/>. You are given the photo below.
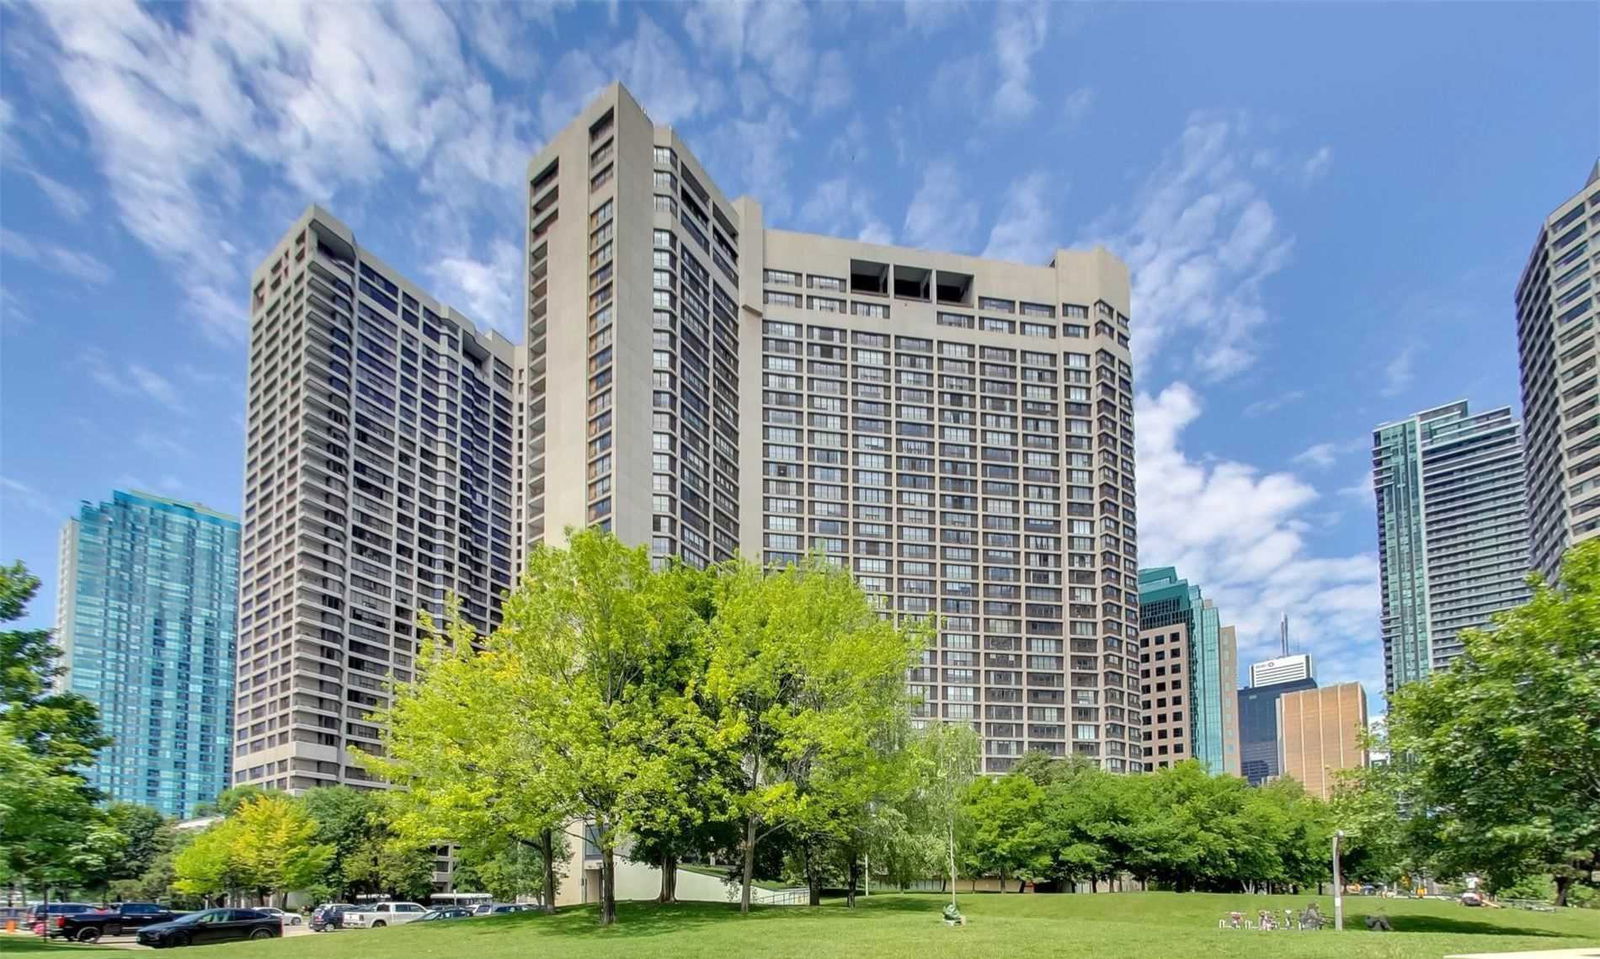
<point x="1338" y="884"/>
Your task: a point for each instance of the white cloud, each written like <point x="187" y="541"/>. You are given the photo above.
<point x="72" y="263"/>
<point x="132" y="379"/>
<point x="69" y="202"/>
<point x="752" y="156"/>
<point x="942" y="214"/>
<point x="775" y="37"/>
<point x="25" y="496"/>
<point x="330" y="98"/>
<point x="1200" y="241"/>
<point x="1323" y="455"/>
<point x="488" y="291"/>
<point x="839" y="207"/>
<point x="1272" y="404"/>
<point x="1019" y="34"/>
<point x="1241" y="534"/>
<point x="1022" y="233"/>
<point x="832" y="87"/>
<point x="1076" y="105"/>
<point x="1398" y="372"/>
<point x="1318" y="164"/>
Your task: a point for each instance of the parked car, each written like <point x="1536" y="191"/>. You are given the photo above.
<point x="212" y="925"/>
<point x="445" y="912"/>
<point x="378" y="915"/>
<point x="329" y="915"/>
<point x="40" y="915"/>
<point x="1470" y="898"/>
<point x="114" y="920"/>
<point x="288" y="918"/>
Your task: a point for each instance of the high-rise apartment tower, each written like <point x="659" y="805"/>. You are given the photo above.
<point x="956" y="431"/>
<point x="1556" y="332"/>
<point x="379" y="480"/>
<point x="145" y="620"/>
<point x="1452" y="531"/>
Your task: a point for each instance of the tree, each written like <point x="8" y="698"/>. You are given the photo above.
<point x="368" y="855"/>
<point x="804" y="677"/>
<point x="464" y="744"/>
<point x="206" y="867"/>
<point x="275" y="847"/>
<point x="49" y="828"/>
<point x="945" y="758"/>
<point x="1503" y="748"/>
<point x="1008" y="837"/>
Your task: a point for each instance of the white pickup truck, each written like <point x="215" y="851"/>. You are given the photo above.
<point x="379" y="914"/>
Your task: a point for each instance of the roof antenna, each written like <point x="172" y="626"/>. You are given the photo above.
<point x="1283" y="633"/>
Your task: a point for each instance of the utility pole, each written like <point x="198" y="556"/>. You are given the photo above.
<point x="1338" y="884"/>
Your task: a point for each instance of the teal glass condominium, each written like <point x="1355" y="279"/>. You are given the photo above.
<point x="1452" y="531"/>
<point x="1189" y="674"/>
<point x="145" y="619"/>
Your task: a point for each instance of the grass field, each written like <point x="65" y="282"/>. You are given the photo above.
<point x="1137" y="926"/>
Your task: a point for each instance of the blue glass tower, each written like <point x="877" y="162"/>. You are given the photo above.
<point x="146" y="619"/>
<point x="1167" y="600"/>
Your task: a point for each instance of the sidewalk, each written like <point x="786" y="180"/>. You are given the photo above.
<point x="1586" y="952"/>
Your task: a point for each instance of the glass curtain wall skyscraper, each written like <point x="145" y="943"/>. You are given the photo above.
<point x="1452" y="531"/>
<point x="1205" y="678"/>
<point x="145" y="619"/>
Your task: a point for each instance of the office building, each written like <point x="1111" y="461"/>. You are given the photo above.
<point x="1188" y="669"/>
<point x="379" y="479"/>
<point x="1320" y="732"/>
<point x="1281" y="669"/>
<point x="1556" y="319"/>
<point x="956" y="431"/>
<point x="1259" y="750"/>
<point x="1452" y="532"/>
<point x="145" y="620"/>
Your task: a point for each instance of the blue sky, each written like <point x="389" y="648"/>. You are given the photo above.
<point x="1326" y="208"/>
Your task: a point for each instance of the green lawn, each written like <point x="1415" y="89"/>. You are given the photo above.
<point x="1136" y="926"/>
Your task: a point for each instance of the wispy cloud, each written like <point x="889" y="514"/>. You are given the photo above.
<point x="132" y="379"/>
<point x="942" y="214"/>
<point x="1201" y="240"/>
<point x="1023" y="230"/>
<point x="24" y="496"/>
<point x="1323" y="455"/>
<point x="486" y="290"/>
<point x="1272" y="404"/>
<point x="1398" y="373"/>
<point x="58" y="259"/>
<point x="1019" y="34"/>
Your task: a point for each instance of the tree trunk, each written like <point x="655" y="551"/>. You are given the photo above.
<point x="608" y="885"/>
<point x="850" y="884"/>
<point x="1563" y="885"/>
<point x="1002" y="882"/>
<point x="1022" y="884"/>
<point x="669" y="879"/>
<point x="547" y="849"/>
<point x="749" y="861"/>
<point x="813" y="878"/>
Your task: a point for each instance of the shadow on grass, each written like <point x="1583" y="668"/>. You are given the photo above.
<point x="1460" y="927"/>
<point x="12" y="945"/>
<point x="638" y="919"/>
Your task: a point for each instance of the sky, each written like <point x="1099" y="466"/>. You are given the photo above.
<point x="1325" y="207"/>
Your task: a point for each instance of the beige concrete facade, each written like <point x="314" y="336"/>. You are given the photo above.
<point x="1228" y="658"/>
<point x="1168" y="696"/>
<point x="1319" y="735"/>
<point x="1556" y="335"/>
<point x="377" y="482"/>
<point x="956" y="431"/>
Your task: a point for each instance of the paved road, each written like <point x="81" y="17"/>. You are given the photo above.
<point x="127" y="942"/>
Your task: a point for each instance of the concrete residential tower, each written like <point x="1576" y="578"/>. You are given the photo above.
<point x="1556" y="332"/>
<point x="145" y="617"/>
<point x="956" y="431"/>
<point x="1452" y="531"/>
<point x="379" y="479"/>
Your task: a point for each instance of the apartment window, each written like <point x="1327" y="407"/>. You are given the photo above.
<point x="990" y="324"/>
<point x="780" y="277"/>
<point x="780" y="298"/>
<point x="1039" y="329"/>
<point x="996" y="305"/>
<point x="602" y="178"/>
<point x="958" y="320"/>
<point x="875" y="310"/>
<point x="832" y="283"/>
<point x="825" y="304"/>
<point x="666" y="157"/>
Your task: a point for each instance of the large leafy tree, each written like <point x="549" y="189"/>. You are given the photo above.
<point x="1008" y="836"/>
<point x="805" y="678"/>
<point x="50" y="830"/>
<point x="1502" y="750"/>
